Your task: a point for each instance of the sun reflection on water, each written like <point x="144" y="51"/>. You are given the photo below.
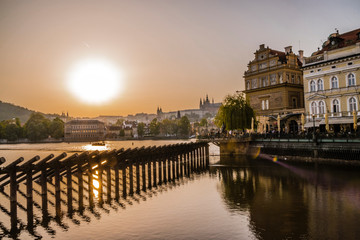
<point x="90" y="147"/>
<point x="96" y="184"/>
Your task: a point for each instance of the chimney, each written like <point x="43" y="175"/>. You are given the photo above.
<point x="262" y="46"/>
<point x="301" y="56"/>
<point x="288" y="49"/>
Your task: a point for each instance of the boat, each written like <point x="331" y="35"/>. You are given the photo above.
<point x="102" y="143"/>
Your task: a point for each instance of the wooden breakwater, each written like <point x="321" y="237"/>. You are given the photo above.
<point x="45" y="189"/>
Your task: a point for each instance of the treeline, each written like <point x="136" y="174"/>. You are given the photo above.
<point x="37" y="127"/>
<point x="178" y="127"/>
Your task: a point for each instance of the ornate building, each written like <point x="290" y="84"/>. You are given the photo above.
<point x="84" y="130"/>
<point x="274" y="87"/>
<point x="331" y="82"/>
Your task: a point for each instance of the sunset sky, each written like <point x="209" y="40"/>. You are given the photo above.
<point x="167" y="53"/>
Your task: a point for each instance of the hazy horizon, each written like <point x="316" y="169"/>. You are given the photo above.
<point x="169" y="53"/>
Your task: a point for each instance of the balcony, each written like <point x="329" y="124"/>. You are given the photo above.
<point x="316" y="58"/>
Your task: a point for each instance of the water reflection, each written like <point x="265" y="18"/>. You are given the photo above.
<point x="90" y="147"/>
<point x="286" y="201"/>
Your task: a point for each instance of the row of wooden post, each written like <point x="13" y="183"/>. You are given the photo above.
<point x="163" y="164"/>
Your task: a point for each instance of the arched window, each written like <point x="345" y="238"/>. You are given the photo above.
<point x="248" y="85"/>
<point x="312" y="86"/>
<point x="351" y="80"/>
<point x="320" y="85"/>
<point x="321" y="107"/>
<point x="334" y="82"/>
<point x="352" y="104"/>
<point x="336" y="106"/>
<point x="313" y="108"/>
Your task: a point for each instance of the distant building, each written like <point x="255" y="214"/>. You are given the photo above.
<point x="205" y="105"/>
<point x="84" y="130"/>
<point x="113" y="131"/>
<point x="274" y="87"/>
<point x="332" y="82"/>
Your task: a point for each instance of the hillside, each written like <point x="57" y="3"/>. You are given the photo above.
<point x="9" y="111"/>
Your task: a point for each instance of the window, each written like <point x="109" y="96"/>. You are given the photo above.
<point x="313" y="108"/>
<point x="312" y="86"/>
<point x="248" y="85"/>
<point x="352" y="104"/>
<point x="294" y="103"/>
<point x="321" y="107"/>
<point x="273" y="79"/>
<point x="298" y="80"/>
<point x="292" y="79"/>
<point x="334" y="82"/>
<point x="264" y="81"/>
<point x="254" y="83"/>
<point x="351" y="80"/>
<point x="336" y="106"/>
<point x="320" y="85"/>
<point x="265" y="104"/>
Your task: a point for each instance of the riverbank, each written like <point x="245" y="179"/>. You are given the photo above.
<point x="52" y="140"/>
<point x="339" y="152"/>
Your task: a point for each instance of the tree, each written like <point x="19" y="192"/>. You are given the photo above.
<point x="122" y="132"/>
<point x="12" y="132"/>
<point x="119" y="122"/>
<point x="203" y="122"/>
<point x="37" y="127"/>
<point x="141" y="129"/>
<point x="184" y="126"/>
<point x="56" y="128"/>
<point x="154" y="127"/>
<point x="169" y="127"/>
<point x="235" y="113"/>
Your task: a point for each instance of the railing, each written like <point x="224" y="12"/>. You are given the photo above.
<point x="89" y="177"/>
<point x="315" y="58"/>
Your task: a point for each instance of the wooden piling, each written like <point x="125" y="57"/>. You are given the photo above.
<point x="149" y="173"/>
<point x="123" y="171"/>
<point x="137" y="174"/>
<point x="117" y="185"/>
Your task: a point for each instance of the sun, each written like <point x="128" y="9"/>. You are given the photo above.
<point x="94" y="81"/>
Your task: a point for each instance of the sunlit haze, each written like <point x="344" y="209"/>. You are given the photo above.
<point x="168" y="54"/>
<point x="94" y="81"/>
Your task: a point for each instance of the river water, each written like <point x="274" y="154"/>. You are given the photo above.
<point x="237" y="198"/>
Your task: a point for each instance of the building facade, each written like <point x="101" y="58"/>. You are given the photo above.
<point x="332" y="82"/>
<point x="274" y="88"/>
<point x="84" y="130"/>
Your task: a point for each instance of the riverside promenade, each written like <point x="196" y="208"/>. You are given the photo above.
<point x="310" y="149"/>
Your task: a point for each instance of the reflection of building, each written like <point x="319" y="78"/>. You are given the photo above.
<point x="331" y="81"/>
<point x="84" y="130"/>
<point x="274" y="86"/>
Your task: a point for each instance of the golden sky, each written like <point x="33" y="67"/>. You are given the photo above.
<point x="171" y="53"/>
